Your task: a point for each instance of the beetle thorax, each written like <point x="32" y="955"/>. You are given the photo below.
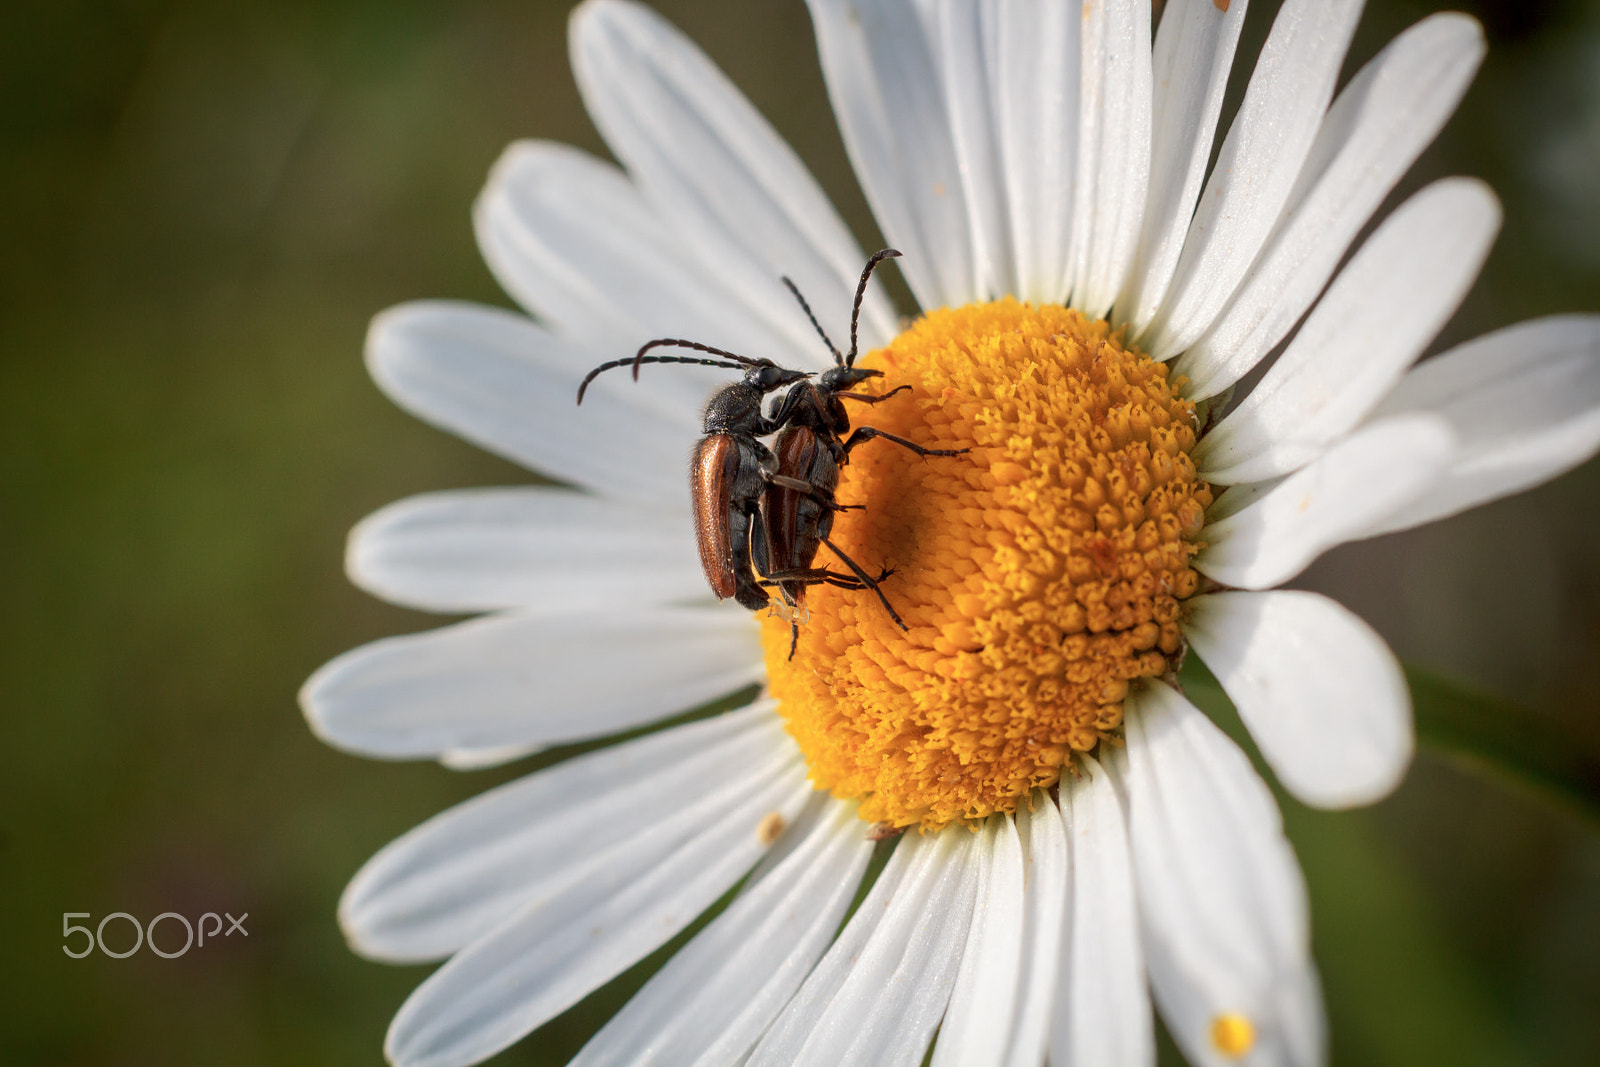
<point x="732" y="409"/>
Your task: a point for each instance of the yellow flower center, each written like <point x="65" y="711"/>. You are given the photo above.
<point x="1038" y="574"/>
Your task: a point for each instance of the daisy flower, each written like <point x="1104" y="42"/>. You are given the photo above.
<point x="1083" y="843"/>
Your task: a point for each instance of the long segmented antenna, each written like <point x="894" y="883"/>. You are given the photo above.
<point x="838" y="357"/>
<point x="584" y="385"/>
<point x="861" y="291"/>
<point x="678" y="342"/>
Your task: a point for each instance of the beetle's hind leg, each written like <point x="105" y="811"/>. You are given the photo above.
<point x="864" y="434"/>
<point x="866" y="580"/>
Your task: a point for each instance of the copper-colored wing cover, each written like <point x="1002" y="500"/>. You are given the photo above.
<point x="796" y="449"/>
<point x="711" y="476"/>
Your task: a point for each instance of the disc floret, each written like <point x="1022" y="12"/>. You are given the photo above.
<point x="1039" y="575"/>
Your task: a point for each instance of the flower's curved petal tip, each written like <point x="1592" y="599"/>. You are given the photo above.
<point x="1386" y="305"/>
<point x="533" y="547"/>
<point x="510" y="680"/>
<point x="1346" y="494"/>
<point x="507" y="384"/>
<point x="1319" y="690"/>
<point x="1524" y="401"/>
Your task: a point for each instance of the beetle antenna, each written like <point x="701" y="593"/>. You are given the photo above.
<point x="677" y="342"/>
<point x="838" y="356"/>
<point x="861" y="291"/>
<point x="592" y="375"/>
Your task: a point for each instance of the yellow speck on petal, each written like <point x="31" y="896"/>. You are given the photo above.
<point x="1038" y="574"/>
<point x="771" y="827"/>
<point x="1232" y="1034"/>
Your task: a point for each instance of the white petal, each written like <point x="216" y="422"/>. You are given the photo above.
<point x="966" y="40"/>
<point x="574" y="936"/>
<point x="477" y="759"/>
<point x="1037" y="67"/>
<point x="507" y="385"/>
<point x="1343" y="496"/>
<point x="1377" y="127"/>
<point x="1377" y="317"/>
<point x="457" y="876"/>
<point x="1235" y="497"/>
<point x="1193" y="55"/>
<point x="1105" y="1007"/>
<point x="713" y="1000"/>
<point x="571" y="238"/>
<point x="882" y="69"/>
<point x="1221" y="898"/>
<point x="876" y="998"/>
<point x="977" y="1029"/>
<point x="1320" y="691"/>
<point x="530" y="679"/>
<point x="717" y="173"/>
<point x="1256" y="169"/>
<point x="482" y="549"/>
<point x="1113" y="158"/>
<point x="1047" y="891"/>
<point x="1524" y="403"/>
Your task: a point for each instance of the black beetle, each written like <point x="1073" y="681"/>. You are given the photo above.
<point x="810" y="449"/>
<point x="739" y="489"/>
<point x="730" y="468"/>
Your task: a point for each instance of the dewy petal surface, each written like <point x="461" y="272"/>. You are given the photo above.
<point x="1523" y="402"/>
<point x="1113" y="157"/>
<point x="1035" y="64"/>
<point x="1377" y="317"/>
<point x="1373" y="132"/>
<point x="499" y="381"/>
<point x="976" y="1029"/>
<point x="876" y="998"/>
<point x="460" y="874"/>
<point x="1345" y="495"/>
<point x="965" y="40"/>
<point x="485" y="549"/>
<point x="716" y="172"/>
<point x="1221" y="900"/>
<point x="1005" y="996"/>
<point x="1256" y="168"/>
<point x="1104" y="1005"/>
<point x="1193" y="55"/>
<point x="882" y="69"/>
<point x="715" y="998"/>
<point x="1318" y="688"/>
<point x="576" y="935"/>
<point x="536" y="679"/>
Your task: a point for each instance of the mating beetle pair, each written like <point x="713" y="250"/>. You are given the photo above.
<point x="761" y="514"/>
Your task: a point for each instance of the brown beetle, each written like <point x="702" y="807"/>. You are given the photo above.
<point x="798" y="507"/>
<point x="760" y="514"/>
<point x="730" y="468"/>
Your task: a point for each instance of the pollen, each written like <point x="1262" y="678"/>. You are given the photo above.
<point x="1232" y="1035"/>
<point x="1038" y="574"/>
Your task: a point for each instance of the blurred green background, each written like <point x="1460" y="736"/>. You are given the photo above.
<point x="202" y="204"/>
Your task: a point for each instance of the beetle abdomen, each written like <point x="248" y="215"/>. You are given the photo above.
<point x="712" y="472"/>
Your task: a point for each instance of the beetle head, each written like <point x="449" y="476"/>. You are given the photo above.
<point x="766" y="376"/>
<point x="840" y="378"/>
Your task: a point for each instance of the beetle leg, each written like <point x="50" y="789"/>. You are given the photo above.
<point x="866" y="580"/>
<point x="864" y="434"/>
<point x="867" y="398"/>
